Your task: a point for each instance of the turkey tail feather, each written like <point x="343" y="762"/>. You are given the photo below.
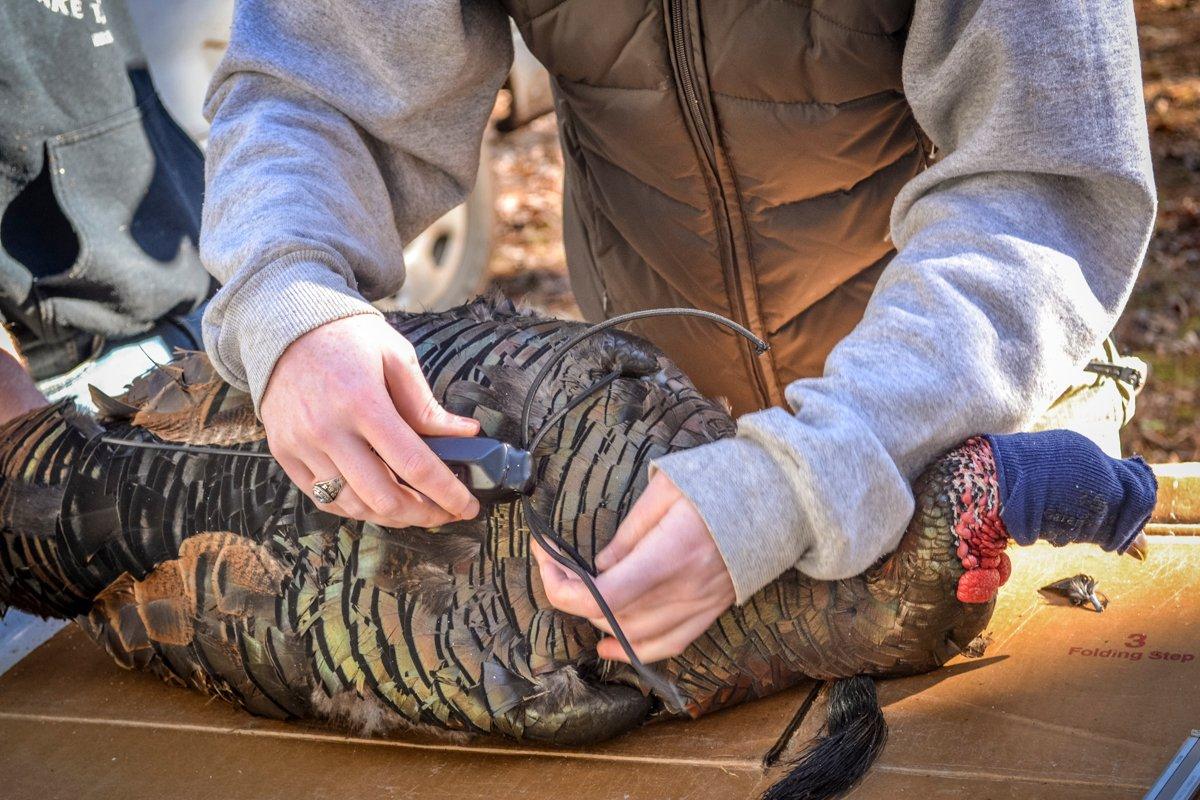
<point x="852" y="739"/>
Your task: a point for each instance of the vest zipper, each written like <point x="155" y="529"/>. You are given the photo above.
<point x="685" y="75"/>
<point x="680" y="43"/>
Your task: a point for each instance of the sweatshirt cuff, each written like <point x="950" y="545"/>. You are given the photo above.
<point x="748" y="504"/>
<point x="247" y="331"/>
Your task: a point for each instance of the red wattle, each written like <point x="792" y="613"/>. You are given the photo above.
<point x="1005" y="568"/>
<point x="978" y="585"/>
<point x="981" y="534"/>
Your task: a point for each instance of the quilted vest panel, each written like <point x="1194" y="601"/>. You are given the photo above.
<point x="740" y="157"/>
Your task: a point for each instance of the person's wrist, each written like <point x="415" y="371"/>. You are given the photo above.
<point x="249" y="326"/>
<point x="303" y="354"/>
<point x="748" y="506"/>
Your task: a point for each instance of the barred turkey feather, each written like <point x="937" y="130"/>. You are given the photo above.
<point x="185" y="401"/>
<point x="212" y="571"/>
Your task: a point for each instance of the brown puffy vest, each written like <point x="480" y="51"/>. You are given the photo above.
<point x="739" y="156"/>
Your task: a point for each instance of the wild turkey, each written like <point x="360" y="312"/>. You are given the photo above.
<point x="211" y="570"/>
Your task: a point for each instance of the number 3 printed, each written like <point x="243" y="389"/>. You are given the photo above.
<point x="1136" y="640"/>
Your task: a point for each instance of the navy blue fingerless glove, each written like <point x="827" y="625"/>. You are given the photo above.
<point x="1059" y="486"/>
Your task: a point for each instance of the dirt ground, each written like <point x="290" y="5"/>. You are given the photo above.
<point x="1161" y="324"/>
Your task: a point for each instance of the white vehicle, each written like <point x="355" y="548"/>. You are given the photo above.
<point x="183" y="41"/>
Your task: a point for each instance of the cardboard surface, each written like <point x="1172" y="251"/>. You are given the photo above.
<point x="78" y="726"/>
<point x="1065" y="704"/>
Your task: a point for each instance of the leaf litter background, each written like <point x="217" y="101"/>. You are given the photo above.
<point x="1161" y="324"/>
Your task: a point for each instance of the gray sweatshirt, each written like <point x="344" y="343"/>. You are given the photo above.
<point x="342" y="128"/>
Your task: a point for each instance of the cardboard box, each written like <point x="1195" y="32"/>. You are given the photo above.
<point x="1065" y="704"/>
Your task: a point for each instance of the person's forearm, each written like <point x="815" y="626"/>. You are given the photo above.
<point x="18" y="393"/>
<point x="1017" y="250"/>
<point x="339" y="131"/>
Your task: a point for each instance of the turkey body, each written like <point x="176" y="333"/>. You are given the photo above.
<point x="211" y="570"/>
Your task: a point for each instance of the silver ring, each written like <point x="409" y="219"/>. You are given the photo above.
<point x="325" y="492"/>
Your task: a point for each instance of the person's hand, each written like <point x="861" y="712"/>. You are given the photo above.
<point x="18" y="393"/>
<point x="349" y="399"/>
<point x="661" y="575"/>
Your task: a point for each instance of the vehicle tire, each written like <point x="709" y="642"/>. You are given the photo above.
<point x="446" y="264"/>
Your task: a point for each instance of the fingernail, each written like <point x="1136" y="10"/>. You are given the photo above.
<point x="1139" y="548"/>
<point x="472" y="510"/>
<point x="603" y="560"/>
